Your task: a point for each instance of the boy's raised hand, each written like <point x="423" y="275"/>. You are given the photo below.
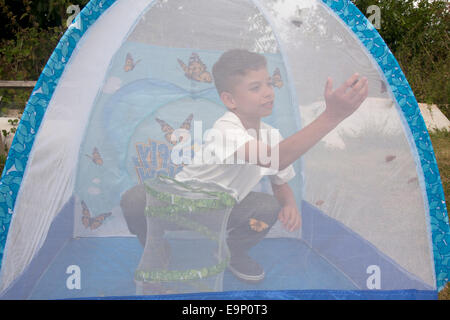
<point x="346" y="99"/>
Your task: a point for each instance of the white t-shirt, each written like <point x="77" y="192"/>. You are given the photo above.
<point x="214" y="164"/>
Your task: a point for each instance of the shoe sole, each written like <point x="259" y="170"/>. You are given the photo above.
<point x="247" y="277"/>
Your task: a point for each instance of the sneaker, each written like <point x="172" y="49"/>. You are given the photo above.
<point x="245" y="268"/>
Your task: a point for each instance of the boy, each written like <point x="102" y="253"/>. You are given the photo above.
<point x="246" y="89"/>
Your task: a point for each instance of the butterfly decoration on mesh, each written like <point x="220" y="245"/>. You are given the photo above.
<point x="196" y="69"/>
<point x="277" y="81"/>
<point x="129" y="63"/>
<point x="96" y="157"/>
<point x="169" y="130"/>
<point x="90" y="222"/>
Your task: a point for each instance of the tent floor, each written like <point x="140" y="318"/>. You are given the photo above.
<point x="107" y="267"/>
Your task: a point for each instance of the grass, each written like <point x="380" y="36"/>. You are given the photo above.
<point x="2" y="162"/>
<point x="444" y="294"/>
<point x="441" y="146"/>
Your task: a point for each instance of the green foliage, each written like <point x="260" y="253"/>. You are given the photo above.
<point x="14" y="123"/>
<point x="30" y="32"/>
<point x="23" y="58"/>
<point x="2" y="162"/>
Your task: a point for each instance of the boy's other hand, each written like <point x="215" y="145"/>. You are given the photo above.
<point x="290" y="217"/>
<point x="346" y="99"/>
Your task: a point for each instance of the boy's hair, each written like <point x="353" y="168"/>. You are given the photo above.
<point x="234" y="63"/>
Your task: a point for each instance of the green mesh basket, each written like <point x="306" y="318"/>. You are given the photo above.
<point x="182" y="205"/>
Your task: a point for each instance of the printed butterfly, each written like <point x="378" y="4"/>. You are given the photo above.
<point x="129" y="63"/>
<point x="277" y="81"/>
<point x="168" y="130"/>
<point x="88" y="221"/>
<point x="258" y="225"/>
<point x="96" y="157"/>
<point x="196" y="70"/>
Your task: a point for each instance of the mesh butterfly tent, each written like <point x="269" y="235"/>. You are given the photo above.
<point x="98" y="138"/>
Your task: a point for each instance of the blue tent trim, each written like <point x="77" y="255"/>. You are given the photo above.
<point x="35" y="110"/>
<point x="293" y="295"/>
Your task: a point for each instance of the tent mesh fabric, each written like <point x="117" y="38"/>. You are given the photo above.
<point x="126" y="117"/>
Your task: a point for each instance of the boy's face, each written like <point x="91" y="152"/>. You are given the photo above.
<point x="252" y="96"/>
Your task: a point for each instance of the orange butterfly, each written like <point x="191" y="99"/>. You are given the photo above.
<point x="297" y="23"/>
<point x="319" y="202"/>
<point x="389" y="158"/>
<point x="168" y="130"/>
<point x="258" y="225"/>
<point x="92" y="223"/>
<point x="383" y="88"/>
<point x="413" y="180"/>
<point x="187" y="123"/>
<point x="277" y="81"/>
<point x="96" y="157"/>
<point x="129" y="63"/>
<point x="196" y="70"/>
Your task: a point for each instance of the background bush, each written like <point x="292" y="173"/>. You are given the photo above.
<point x="30" y="32"/>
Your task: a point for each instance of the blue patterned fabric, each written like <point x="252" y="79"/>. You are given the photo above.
<point x="294" y="295"/>
<point x="355" y="20"/>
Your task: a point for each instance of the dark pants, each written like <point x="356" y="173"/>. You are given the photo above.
<point x="241" y="235"/>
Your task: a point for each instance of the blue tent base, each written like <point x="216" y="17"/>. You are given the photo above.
<point x="293" y="271"/>
<point x="329" y="262"/>
<point x="107" y="268"/>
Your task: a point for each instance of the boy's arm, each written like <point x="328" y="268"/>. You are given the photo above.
<point x="289" y="214"/>
<point x="340" y="104"/>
